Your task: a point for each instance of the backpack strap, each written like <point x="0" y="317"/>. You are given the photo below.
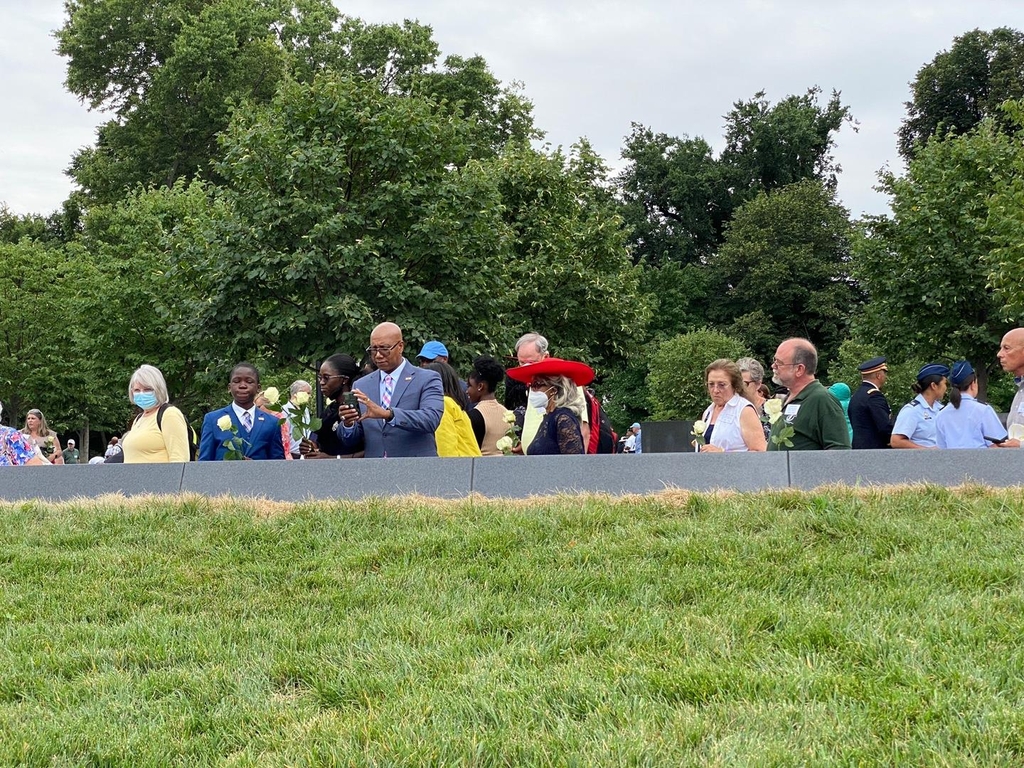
<point x="160" y="416"/>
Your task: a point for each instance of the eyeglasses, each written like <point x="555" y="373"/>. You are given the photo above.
<point x="374" y="351"/>
<point x="717" y="384"/>
<point x="776" y="363"/>
<point x="747" y="383"/>
<point x="328" y="377"/>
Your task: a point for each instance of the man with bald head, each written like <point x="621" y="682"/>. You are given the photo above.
<point x="1011" y="357"/>
<point x="400" y="405"/>
<point x="815" y="415"/>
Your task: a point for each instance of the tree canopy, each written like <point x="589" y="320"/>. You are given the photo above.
<point x="925" y="269"/>
<point x="960" y="87"/>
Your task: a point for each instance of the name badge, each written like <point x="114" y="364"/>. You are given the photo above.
<point x="791" y="411"/>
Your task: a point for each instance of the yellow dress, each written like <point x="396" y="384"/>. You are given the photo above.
<point x="454" y="435"/>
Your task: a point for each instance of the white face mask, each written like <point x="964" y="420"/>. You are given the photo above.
<point x="538" y="399"/>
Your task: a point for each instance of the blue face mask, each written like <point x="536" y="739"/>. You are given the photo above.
<point x="145" y="400"/>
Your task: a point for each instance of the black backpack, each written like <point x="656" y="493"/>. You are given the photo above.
<point x="193" y="437"/>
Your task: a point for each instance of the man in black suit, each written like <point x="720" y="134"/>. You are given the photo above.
<point x="870" y="415"/>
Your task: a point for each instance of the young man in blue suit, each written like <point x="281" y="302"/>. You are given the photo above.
<point x="259" y="432"/>
<point x="400" y="405"/>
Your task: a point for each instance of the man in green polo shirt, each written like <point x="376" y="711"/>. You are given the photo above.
<point x="71" y="454"/>
<point x="815" y="415"/>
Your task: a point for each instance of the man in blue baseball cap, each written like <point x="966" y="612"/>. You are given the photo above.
<point x="433" y="351"/>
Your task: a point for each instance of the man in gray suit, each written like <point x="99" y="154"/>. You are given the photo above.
<point x="400" y="405"/>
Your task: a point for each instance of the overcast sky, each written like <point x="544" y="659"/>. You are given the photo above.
<point x="591" y="69"/>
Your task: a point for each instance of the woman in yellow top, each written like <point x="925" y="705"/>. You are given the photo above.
<point x="454" y="435"/>
<point x="148" y="442"/>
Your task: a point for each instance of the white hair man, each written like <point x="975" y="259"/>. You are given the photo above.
<point x="532" y="348"/>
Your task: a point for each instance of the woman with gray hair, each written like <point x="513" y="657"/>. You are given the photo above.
<point x="754" y="388"/>
<point x="554" y="388"/>
<point x="160" y="433"/>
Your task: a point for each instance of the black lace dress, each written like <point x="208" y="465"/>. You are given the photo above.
<point x="559" y="433"/>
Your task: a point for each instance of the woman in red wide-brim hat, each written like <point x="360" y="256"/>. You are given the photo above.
<point x="553" y="386"/>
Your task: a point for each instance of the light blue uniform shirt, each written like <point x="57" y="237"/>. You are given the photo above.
<point x="916" y="421"/>
<point x="968" y="425"/>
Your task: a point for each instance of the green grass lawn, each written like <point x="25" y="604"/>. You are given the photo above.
<point x="840" y="627"/>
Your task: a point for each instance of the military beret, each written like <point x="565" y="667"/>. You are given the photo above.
<point x="872" y="365"/>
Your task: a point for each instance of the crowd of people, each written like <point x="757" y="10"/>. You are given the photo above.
<point x="393" y="408"/>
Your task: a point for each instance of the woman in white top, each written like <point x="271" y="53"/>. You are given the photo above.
<point x="732" y="420"/>
<point x="966" y="423"/>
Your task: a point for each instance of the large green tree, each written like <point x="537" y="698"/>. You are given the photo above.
<point x="569" y="271"/>
<point x="960" y="87"/>
<point x="678" y="198"/>
<point x="346" y="205"/>
<point x="131" y="311"/>
<point x="1005" y="227"/>
<point x="768" y="146"/>
<point x="34" y="325"/>
<point x="783" y="270"/>
<point x="926" y="267"/>
<point x="172" y="71"/>
<point x="169" y="71"/>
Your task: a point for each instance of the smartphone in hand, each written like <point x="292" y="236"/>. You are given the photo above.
<point x="349" y="400"/>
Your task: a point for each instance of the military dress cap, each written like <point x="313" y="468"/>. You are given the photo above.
<point x="872" y="365"/>
<point x="960" y="373"/>
<point x="933" y="369"/>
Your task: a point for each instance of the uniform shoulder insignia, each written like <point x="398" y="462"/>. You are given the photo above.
<point x="873" y="390"/>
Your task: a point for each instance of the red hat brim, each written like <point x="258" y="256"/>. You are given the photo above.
<point x="581" y="373"/>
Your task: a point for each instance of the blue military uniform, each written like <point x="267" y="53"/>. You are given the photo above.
<point x="916" y="419"/>
<point x="869" y="411"/>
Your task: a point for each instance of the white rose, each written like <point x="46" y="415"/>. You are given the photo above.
<point x="301" y="398"/>
<point x="773" y="417"/>
<point x="272" y="395"/>
<point x="504" y="444"/>
<point x="224" y="422"/>
<point x="773" y="407"/>
<point x="510" y="417"/>
<point x="699" y="427"/>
